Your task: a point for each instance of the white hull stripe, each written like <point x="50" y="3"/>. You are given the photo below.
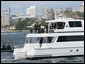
<point x="58" y="48"/>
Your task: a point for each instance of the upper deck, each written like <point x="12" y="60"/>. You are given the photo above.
<point x="65" y="24"/>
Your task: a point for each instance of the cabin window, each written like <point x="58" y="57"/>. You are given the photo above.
<point x="75" y="24"/>
<point x="60" y="25"/>
<point x="57" y="25"/>
<point x="54" y="25"/>
<point x="70" y="38"/>
<point x="38" y="39"/>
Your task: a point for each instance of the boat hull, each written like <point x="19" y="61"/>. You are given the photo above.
<point x="51" y="50"/>
<point x="64" y="52"/>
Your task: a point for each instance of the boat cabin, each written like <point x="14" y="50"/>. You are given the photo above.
<point x="65" y="24"/>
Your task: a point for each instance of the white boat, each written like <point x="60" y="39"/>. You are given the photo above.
<point x="64" y="41"/>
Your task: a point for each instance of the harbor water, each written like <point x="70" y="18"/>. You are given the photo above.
<point x="18" y="39"/>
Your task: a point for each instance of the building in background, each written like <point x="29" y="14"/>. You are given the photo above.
<point x="69" y="9"/>
<point x="2" y="22"/>
<point x="59" y="13"/>
<point x="81" y="8"/>
<point x="5" y="18"/>
<point x="48" y="13"/>
<point x="59" y="10"/>
<point x="45" y="12"/>
<point x="31" y="11"/>
<point x="51" y="13"/>
<point x="14" y="20"/>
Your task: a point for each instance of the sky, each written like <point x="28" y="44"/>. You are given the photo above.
<point x="20" y="6"/>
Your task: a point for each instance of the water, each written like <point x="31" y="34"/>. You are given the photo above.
<point x="17" y="39"/>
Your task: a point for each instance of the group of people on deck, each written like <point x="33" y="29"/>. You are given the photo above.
<point x="37" y="28"/>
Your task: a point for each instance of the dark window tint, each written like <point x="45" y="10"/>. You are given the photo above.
<point x="60" y="25"/>
<point x="70" y="38"/>
<point x="75" y="24"/>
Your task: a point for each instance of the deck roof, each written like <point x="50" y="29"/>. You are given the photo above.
<point x="62" y="20"/>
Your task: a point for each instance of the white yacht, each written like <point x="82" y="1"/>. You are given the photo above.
<point x="65" y="38"/>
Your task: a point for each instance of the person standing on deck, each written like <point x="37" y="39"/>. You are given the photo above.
<point x="41" y="41"/>
<point x="37" y="27"/>
<point x="30" y="30"/>
<point x="42" y="30"/>
<point x="34" y="27"/>
<point x="46" y="26"/>
<point x="49" y="27"/>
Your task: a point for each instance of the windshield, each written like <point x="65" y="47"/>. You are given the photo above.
<point x="38" y="39"/>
